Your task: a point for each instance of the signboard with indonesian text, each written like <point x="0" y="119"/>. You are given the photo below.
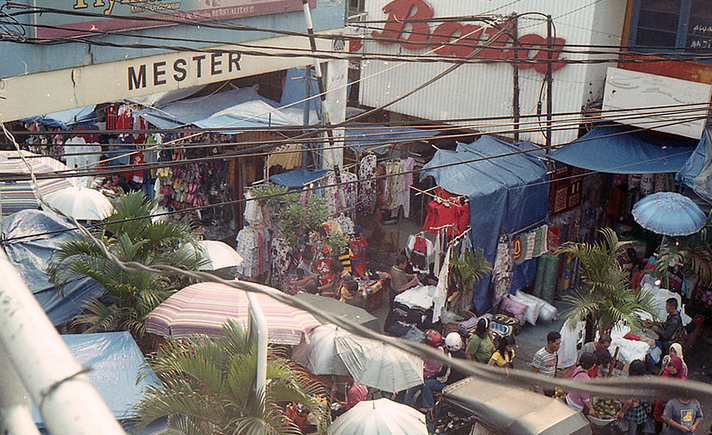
<point x="113" y="15"/>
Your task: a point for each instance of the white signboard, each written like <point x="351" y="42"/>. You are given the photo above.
<point x="656" y="102"/>
<point x="53" y="91"/>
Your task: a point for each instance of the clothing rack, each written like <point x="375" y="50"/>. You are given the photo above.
<point x="450" y="201"/>
<point x="462" y="235"/>
<point x="442" y="227"/>
<point x="529" y="227"/>
<point x="347" y="167"/>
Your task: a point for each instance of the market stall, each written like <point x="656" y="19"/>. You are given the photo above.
<point x="507" y="196"/>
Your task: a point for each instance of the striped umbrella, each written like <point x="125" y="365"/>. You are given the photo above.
<point x="20" y="195"/>
<point x="204" y="308"/>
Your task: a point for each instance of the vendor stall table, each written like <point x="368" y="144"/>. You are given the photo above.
<point x="373" y="290"/>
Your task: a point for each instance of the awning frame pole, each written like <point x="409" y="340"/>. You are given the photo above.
<point x="262" y="344"/>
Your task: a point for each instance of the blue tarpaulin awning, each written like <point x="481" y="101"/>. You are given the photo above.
<point x="297" y="178"/>
<point x="115" y="361"/>
<point x="66" y="119"/>
<point x="508" y="191"/>
<point x="362" y="137"/>
<point x="30" y="237"/>
<point x="238" y="108"/>
<point x="694" y="164"/>
<point x="622" y="150"/>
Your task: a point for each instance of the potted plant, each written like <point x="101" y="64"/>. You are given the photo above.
<point x="465" y="270"/>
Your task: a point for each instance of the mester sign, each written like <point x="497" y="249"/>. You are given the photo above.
<point x="113" y="15"/>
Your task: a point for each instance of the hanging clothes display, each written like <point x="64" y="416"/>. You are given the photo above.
<point x="367" y="187"/>
<point x="253" y="245"/>
<point x="441" y="288"/>
<point x="390" y="186"/>
<point x="502" y="271"/>
<point x="420" y="252"/>
<point x="348" y="185"/>
<point x="82" y="155"/>
<point x="282" y="259"/>
<point x="358" y="246"/>
<point x="404" y="181"/>
<point x="346" y="224"/>
<point x="453" y="215"/>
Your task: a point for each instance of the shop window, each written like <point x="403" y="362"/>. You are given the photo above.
<point x="356" y="7"/>
<point x="674" y="24"/>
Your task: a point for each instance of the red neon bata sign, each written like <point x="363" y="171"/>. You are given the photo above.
<point x="415" y="13"/>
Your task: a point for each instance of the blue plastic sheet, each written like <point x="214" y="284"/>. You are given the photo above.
<point x="694" y="164"/>
<point x="508" y="191"/>
<point x="66" y="119"/>
<point x="29" y="239"/>
<point x="297" y="178"/>
<point x="626" y="152"/>
<point x="115" y="361"/>
<point x="362" y="137"/>
<point x="238" y="108"/>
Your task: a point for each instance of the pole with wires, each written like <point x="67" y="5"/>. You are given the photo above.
<point x="549" y="81"/>
<point x="325" y="119"/>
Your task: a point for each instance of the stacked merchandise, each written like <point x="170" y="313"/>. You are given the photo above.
<point x="413" y="308"/>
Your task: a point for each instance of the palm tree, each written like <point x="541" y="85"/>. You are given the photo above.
<point x="692" y="252"/>
<point x="606" y="297"/>
<point x="130" y="235"/>
<point x="207" y="387"/>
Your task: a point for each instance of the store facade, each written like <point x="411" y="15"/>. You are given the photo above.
<point x="496" y="81"/>
<point x="111" y="55"/>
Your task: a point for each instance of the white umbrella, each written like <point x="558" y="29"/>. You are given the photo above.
<point x="318" y="352"/>
<point x="81" y="203"/>
<point x="379" y="365"/>
<point x="219" y="254"/>
<point x="380" y="417"/>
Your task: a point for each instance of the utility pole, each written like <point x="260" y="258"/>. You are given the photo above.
<point x="549" y="80"/>
<point x="319" y="77"/>
<point x="515" y="89"/>
<point x="305" y="116"/>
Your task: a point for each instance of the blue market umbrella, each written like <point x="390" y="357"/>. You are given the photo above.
<point x="669" y="213"/>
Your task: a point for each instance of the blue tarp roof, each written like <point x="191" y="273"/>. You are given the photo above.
<point x="361" y="137"/>
<point x="507" y="193"/>
<point x="239" y="108"/>
<point x="66" y="119"/>
<point x="297" y="178"/>
<point x="30" y="256"/>
<point x="115" y="360"/>
<point x="626" y="151"/>
<point x="694" y="164"/>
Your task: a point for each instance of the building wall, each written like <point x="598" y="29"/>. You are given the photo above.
<point x="24" y="58"/>
<point x="486" y="89"/>
<point x="37" y="80"/>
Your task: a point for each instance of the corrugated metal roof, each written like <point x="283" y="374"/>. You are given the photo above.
<point x="485" y="89"/>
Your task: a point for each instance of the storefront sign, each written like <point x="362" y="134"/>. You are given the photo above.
<point x="191" y="67"/>
<point x="35" y="94"/>
<point x="407" y="25"/>
<point x="119" y="15"/>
